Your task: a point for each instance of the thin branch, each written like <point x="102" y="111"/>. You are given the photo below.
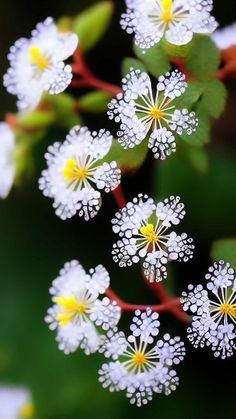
<point x="168" y="306"/>
<point x="87" y="78"/>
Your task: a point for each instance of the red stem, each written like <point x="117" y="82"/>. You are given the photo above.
<point x="88" y="79"/>
<point x="119" y="197"/>
<point x="169" y="306"/>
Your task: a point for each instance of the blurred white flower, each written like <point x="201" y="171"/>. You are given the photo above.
<point x="74" y="168"/>
<point x="214" y="311"/>
<point x="140" y="366"/>
<point x="78" y="315"/>
<point x="15" y="403"/>
<point x="37" y="64"/>
<point x="174" y="20"/>
<point x="7" y="163"/>
<point x="142" y="226"/>
<point x="226" y="37"/>
<point x="142" y="112"/>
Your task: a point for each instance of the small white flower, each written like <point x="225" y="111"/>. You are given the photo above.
<point x="37" y="64"/>
<point x="74" y="168"/>
<point x="142" y="112"/>
<point x="137" y="368"/>
<point x="174" y="20"/>
<point x="15" y="403"/>
<point x="226" y="37"/>
<point x="214" y="311"/>
<point x="7" y="163"/>
<point x="78" y="315"/>
<point x="143" y="227"/>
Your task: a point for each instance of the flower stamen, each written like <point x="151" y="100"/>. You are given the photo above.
<point x="70" y="308"/>
<point x="155" y="113"/>
<point x="36" y="57"/>
<point x="167" y="14"/>
<point x="149" y="233"/>
<point x="139" y="359"/>
<point x="73" y="172"/>
<point x="229" y="309"/>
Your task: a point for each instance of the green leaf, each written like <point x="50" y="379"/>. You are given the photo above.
<point x="202" y="134"/>
<point x="204" y="57"/>
<point x="128" y="160"/>
<point x="133" y="63"/>
<point x="197" y="158"/>
<point x="91" y="24"/>
<point x="64" y="106"/>
<point x="214" y="98"/>
<point x="172" y="50"/>
<point x="155" y="59"/>
<point x="224" y="249"/>
<point x="191" y="95"/>
<point x="95" y="101"/>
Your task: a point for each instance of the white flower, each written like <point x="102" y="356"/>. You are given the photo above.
<point x="142" y="112"/>
<point x="15" y="403"/>
<point x="7" y="164"/>
<point x="74" y="167"/>
<point x="226" y="37"/>
<point x="214" y="311"/>
<point x="137" y="368"/>
<point x="143" y="227"/>
<point x="78" y="315"/>
<point x="37" y="64"/>
<point x="174" y="20"/>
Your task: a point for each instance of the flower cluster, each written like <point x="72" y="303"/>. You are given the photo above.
<point x="15" y="403"/>
<point x="78" y="315"/>
<point x="74" y="168"/>
<point x="142" y="365"/>
<point x="214" y="311"/>
<point x="174" y="20"/>
<point x="7" y="163"/>
<point x="37" y="64"/>
<point x="143" y="112"/>
<point x="143" y="227"/>
<point x="80" y="167"/>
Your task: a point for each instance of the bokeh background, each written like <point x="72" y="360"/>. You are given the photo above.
<point x="35" y="244"/>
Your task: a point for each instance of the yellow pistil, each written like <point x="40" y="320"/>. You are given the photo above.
<point x="229" y="309"/>
<point x="36" y="57"/>
<point x="27" y="411"/>
<point x="139" y="359"/>
<point x="155" y="113"/>
<point x="72" y="171"/>
<point x="70" y="307"/>
<point x="167" y="14"/>
<point x="149" y="233"/>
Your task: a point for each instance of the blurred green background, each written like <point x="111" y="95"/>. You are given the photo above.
<point x="35" y="244"/>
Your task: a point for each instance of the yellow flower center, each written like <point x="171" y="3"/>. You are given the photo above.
<point x="139" y="359"/>
<point x="70" y="307"/>
<point x="229" y="309"/>
<point x="72" y="171"/>
<point x="27" y="411"/>
<point x="167" y="14"/>
<point x="36" y="57"/>
<point x="148" y="232"/>
<point x="155" y="113"/>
